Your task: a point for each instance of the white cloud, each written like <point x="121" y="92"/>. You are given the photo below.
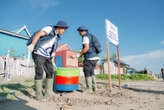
<point x="162" y="42"/>
<point x="43" y="3"/>
<point x="153" y="60"/>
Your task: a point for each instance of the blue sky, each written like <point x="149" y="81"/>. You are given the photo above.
<point x="140" y="24"/>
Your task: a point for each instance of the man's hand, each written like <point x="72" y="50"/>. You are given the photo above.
<point x="78" y="55"/>
<point x="30" y="48"/>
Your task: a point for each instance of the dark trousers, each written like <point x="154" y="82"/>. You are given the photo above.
<point x="42" y="64"/>
<point x="89" y="66"/>
<point x="163" y="76"/>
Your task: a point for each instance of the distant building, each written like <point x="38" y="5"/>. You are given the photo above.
<point x="65" y="57"/>
<point x="114" y="67"/>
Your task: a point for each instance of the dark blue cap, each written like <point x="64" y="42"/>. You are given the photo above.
<point x="61" y="24"/>
<point x="82" y="28"/>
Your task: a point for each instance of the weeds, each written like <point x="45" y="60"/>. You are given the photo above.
<point x="125" y="77"/>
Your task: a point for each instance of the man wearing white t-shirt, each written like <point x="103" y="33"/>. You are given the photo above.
<point x="90" y="57"/>
<point x="43" y="45"/>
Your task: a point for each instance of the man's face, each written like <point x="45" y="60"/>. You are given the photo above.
<point x="82" y="33"/>
<point x="60" y="30"/>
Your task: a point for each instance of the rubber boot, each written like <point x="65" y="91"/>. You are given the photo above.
<point x="94" y="83"/>
<point x="49" y="87"/>
<point x="88" y="81"/>
<point x="38" y="93"/>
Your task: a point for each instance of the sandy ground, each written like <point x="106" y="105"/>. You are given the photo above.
<point x="136" y="95"/>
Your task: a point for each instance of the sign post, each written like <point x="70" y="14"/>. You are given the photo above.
<point x="112" y="36"/>
<point x="119" y="82"/>
<point x="108" y="60"/>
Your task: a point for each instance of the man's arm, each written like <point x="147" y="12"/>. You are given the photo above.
<point x="45" y="31"/>
<point x="37" y="36"/>
<point x="86" y="48"/>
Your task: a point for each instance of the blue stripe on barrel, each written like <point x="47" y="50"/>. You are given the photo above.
<point x="60" y="87"/>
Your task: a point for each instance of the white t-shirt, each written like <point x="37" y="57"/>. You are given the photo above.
<point x="45" y="49"/>
<point x="47" y="29"/>
<point x="85" y="40"/>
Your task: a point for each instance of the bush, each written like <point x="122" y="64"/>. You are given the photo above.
<point x="126" y="77"/>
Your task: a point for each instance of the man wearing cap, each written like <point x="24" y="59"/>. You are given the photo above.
<point x="43" y="45"/>
<point x="90" y="58"/>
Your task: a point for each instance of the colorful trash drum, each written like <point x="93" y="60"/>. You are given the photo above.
<point x="67" y="79"/>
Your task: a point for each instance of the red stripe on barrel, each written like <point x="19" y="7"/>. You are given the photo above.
<point x="67" y="80"/>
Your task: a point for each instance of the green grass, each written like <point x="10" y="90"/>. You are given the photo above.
<point x="125" y="77"/>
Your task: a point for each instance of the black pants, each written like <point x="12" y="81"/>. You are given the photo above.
<point x="42" y="64"/>
<point x="89" y="66"/>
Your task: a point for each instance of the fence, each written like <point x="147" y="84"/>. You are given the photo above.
<point x="16" y="67"/>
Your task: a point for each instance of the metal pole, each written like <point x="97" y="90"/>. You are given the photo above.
<point x="13" y="34"/>
<point x="118" y="67"/>
<point x="108" y="60"/>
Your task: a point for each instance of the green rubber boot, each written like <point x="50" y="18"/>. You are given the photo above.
<point x="88" y="81"/>
<point x="94" y="83"/>
<point x="38" y="93"/>
<point x="49" y="87"/>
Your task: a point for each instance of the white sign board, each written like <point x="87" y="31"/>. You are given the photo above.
<point x="111" y="32"/>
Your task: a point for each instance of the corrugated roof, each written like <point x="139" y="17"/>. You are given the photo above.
<point x="62" y="47"/>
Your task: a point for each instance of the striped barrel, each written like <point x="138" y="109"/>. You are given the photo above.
<point x="67" y="79"/>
